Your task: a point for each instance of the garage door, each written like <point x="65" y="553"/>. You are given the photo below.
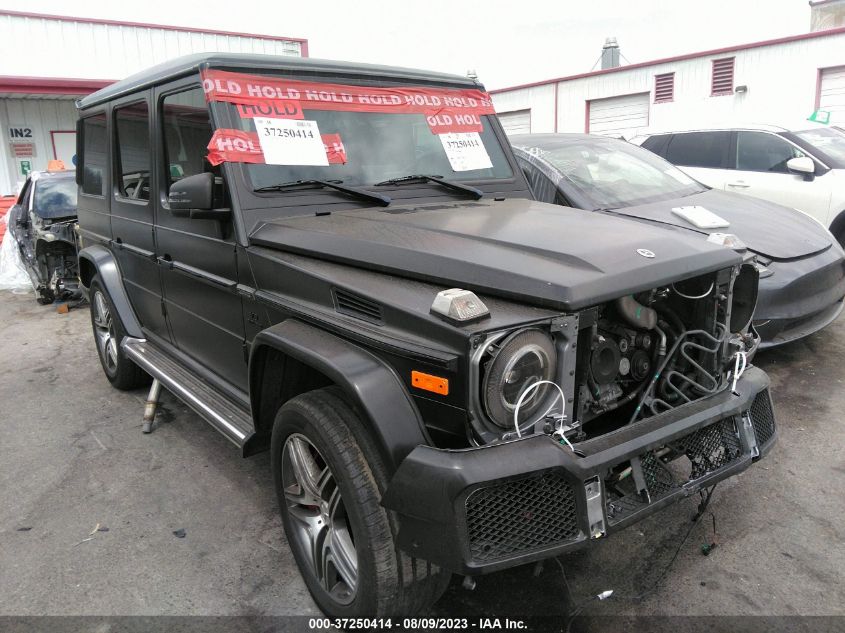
<point x="619" y="116"/>
<point x="516" y="122"/>
<point x="832" y="94"/>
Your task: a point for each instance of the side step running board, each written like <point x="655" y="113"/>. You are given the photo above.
<point x="232" y="421"/>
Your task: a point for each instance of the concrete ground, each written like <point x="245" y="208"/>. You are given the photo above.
<point x="72" y="458"/>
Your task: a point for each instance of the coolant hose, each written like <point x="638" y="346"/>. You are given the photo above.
<point x="636" y="314"/>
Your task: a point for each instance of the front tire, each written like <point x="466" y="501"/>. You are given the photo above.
<point x="122" y="373"/>
<point x="329" y="479"/>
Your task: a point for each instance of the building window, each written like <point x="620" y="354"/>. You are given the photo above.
<point x="93" y="154"/>
<point x="664" y="87"/>
<point x="133" y="150"/>
<point x="722" y="81"/>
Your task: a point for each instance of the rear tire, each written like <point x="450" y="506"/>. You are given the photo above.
<point x="122" y="373"/>
<point x="329" y="479"/>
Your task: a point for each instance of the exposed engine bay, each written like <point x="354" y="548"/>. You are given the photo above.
<point x="620" y="362"/>
<point x="51" y="259"/>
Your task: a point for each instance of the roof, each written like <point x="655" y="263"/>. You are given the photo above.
<point x="678" y="58"/>
<point x="189" y="64"/>
<point x="799" y="125"/>
<point x="557" y="137"/>
<point x="148" y="25"/>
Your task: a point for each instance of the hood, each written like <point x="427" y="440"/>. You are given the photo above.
<point x="767" y="228"/>
<point x="531" y="251"/>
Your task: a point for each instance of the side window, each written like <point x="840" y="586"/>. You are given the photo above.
<point x="698" y="149"/>
<point x="760" y="151"/>
<point x="187" y="131"/>
<point x="656" y="144"/>
<point x="541" y="187"/>
<point x="132" y="126"/>
<point x="93" y="154"/>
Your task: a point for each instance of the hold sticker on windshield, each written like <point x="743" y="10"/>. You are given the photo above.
<point x="234" y="146"/>
<point x="272" y="109"/>
<point x="335" y="151"/>
<point x="465" y="151"/>
<point x="237" y="146"/>
<point x="446" y="109"/>
<point x="291" y="142"/>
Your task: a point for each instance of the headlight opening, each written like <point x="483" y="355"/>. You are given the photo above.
<point x="522" y="359"/>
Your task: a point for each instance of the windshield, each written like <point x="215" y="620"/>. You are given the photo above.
<point x="288" y="130"/>
<point x="379" y="147"/>
<point x="611" y="174"/>
<point x="55" y="198"/>
<point x="831" y="142"/>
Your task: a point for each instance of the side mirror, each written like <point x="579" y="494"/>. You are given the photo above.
<point x="191" y="193"/>
<point x="803" y="166"/>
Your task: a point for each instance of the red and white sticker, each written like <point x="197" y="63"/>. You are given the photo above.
<point x="234" y="146"/>
<point x="237" y="146"/>
<point x="446" y="109"/>
<point x="271" y="109"/>
<point x="335" y="151"/>
<point x="465" y="151"/>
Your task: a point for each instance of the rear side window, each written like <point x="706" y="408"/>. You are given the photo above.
<point x="760" y="151"/>
<point x="698" y="149"/>
<point x="132" y="124"/>
<point x="187" y="132"/>
<point x="93" y="154"/>
<point x="656" y="144"/>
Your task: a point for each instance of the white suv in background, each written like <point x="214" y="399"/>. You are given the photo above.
<point x="802" y="168"/>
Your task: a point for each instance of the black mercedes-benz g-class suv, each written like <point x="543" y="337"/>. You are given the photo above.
<point x="342" y="264"/>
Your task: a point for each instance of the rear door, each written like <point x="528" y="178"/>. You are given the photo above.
<point x="759" y="164"/>
<point x="197" y="258"/>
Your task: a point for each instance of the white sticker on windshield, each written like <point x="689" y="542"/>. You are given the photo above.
<point x="678" y="175"/>
<point x="290" y="142"/>
<point x="465" y="151"/>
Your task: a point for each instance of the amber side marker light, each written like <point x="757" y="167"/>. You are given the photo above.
<point x="427" y="382"/>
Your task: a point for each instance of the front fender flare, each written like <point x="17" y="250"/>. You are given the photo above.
<point x="373" y="387"/>
<point x="104" y="263"/>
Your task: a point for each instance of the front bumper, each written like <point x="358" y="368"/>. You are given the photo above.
<point x="800" y="297"/>
<point x="479" y="510"/>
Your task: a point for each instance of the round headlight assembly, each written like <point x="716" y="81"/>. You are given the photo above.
<point x="522" y="359"/>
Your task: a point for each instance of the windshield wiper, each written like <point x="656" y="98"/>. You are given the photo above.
<point x="331" y="184"/>
<point x="454" y="186"/>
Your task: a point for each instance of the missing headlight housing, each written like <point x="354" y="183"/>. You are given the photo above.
<point x="522" y="359"/>
<point x="744" y="297"/>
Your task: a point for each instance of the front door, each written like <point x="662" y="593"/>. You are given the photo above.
<point x="197" y="258"/>
<point x="760" y="171"/>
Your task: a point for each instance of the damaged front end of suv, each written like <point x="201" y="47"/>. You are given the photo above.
<point x="588" y="422"/>
<point x="43" y="223"/>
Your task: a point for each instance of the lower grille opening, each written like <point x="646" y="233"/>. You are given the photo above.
<point x="763" y="417"/>
<point x="517" y="516"/>
<point x="655" y="474"/>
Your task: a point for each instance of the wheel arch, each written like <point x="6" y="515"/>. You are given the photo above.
<point x="293" y="357"/>
<point x="98" y="260"/>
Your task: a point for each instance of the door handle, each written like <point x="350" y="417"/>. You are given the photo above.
<point x="739" y="184"/>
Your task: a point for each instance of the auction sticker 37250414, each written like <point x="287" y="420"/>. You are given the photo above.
<point x="290" y="142"/>
<point x="465" y="151"/>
